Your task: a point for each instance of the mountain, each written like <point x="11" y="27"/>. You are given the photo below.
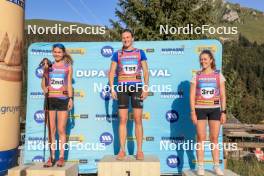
<point x="250" y="22"/>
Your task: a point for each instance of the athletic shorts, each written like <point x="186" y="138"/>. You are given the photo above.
<point x="210" y="113"/>
<point x="57" y="104"/>
<point x="124" y="94"/>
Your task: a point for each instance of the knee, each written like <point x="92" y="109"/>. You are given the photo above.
<point x="123" y="121"/>
<point x="138" y="121"/>
<point x="62" y="131"/>
<point x="214" y="139"/>
<point x="201" y="138"/>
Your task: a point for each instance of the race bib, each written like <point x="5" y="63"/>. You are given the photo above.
<point x="130" y="69"/>
<point x="56" y="83"/>
<point x="207" y="92"/>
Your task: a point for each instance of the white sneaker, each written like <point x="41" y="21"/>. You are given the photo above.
<point x="218" y="171"/>
<point x="200" y="170"/>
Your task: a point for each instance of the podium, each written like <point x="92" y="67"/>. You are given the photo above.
<point x="110" y="166"/>
<point x="70" y="169"/>
<point x="208" y="173"/>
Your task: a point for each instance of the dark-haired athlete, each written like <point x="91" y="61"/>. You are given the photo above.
<point x="129" y="63"/>
<point x="57" y="85"/>
<point x="208" y="102"/>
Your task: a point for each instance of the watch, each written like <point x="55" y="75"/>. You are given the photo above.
<point x="223" y="111"/>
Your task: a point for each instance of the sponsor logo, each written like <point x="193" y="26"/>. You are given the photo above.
<point x="38" y="159"/>
<point x="76" y="138"/>
<point x="173" y="95"/>
<point x="9" y="109"/>
<point x="72" y="51"/>
<point x="83" y="161"/>
<point x="212" y="48"/>
<point x="145" y="115"/>
<point x="146" y="138"/>
<point x="41" y="52"/>
<point x="36" y="95"/>
<point x="173" y="161"/>
<point x="80" y="116"/>
<point x="106" y="138"/>
<point x="149" y="50"/>
<point x="106" y="117"/>
<point x="79" y="93"/>
<point x="107" y="51"/>
<point x="39" y="72"/>
<point x="172" y="51"/>
<point x="48" y="52"/>
<point x="39" y="116"/>
<point x="172" y="116"/>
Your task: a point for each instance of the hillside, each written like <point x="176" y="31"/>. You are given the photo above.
<point x="249" y="21"/>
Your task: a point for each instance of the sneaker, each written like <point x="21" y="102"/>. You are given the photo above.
<point x="121" y="155"/>
<point x="140" y="156"/>
<point x="218" y="171"/>
<point x="49" y="163"/>
<point x="60" y="162"/>
<point x="200" y="170"/>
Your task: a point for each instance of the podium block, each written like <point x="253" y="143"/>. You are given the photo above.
<point x="208" y="173"/>
<point x="18" y="171"/>
<point x="110" y="166"/>
<point x="70" y="169"/>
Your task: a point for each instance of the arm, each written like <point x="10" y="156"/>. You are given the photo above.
<point x="111" y="77"/>
<point x="192" y="103"/>
<point x="43" y="85"/>
<point x="223" y="101"/>
<point x="146" y="79"/>
<point x="70" y="91"/>
<point x="145" y="72"/>
<point x="192" y="97"/>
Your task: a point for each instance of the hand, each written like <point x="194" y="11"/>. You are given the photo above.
<point x="45" y="90"/>
<point x="194" y="117"/>
<point x="70" y="104"/>
<point x="223" y="118"/>
<point x="114" y="94"/>
<point x="144" y="95"/>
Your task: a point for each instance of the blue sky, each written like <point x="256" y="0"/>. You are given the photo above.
<point x="91" y="11"/>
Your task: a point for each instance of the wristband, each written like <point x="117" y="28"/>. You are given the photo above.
<point x="223" y="111"/>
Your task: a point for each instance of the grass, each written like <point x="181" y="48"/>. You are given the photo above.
<point x="249" y="167"/>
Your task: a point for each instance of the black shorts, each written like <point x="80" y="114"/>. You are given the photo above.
<point x="57" y="104"/>
<point x="124" y="94"/>
<point x="210" y="113"/>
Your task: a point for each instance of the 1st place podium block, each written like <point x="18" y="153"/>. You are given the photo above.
<point x="110" y="166"/>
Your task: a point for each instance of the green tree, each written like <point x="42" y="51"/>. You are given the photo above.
<point x="144" y="17"/>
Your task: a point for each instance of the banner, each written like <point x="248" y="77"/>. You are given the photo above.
<point x="92" y="127"/>
<point x="11" y="48"/>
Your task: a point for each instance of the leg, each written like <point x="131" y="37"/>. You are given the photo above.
<point x="62" y="122"/>
<point x="138" y="127"/>
<point x="137" y="105"/>
<point x="123" y="113"/>
<point x="214" y="126"/>
<point x="201" y="137"/>
<point x="52" y="128"/>
<point x="123" y="102"/>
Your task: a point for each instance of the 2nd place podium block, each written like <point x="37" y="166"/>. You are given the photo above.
<point x="110" y="166"/>
<point x="70" y="169"/>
